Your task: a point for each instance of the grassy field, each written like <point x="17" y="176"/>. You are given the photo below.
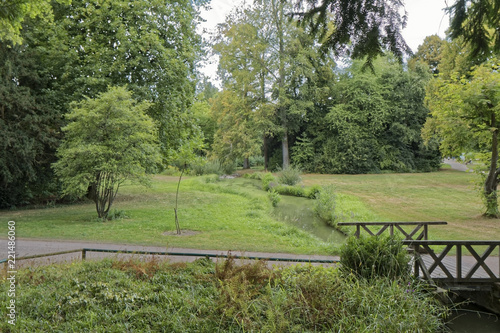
<point x="222" y="216"/>
<point x="447" y="195"/>
<point x="234" y="214"/>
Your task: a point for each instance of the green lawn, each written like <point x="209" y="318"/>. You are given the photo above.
<point x="447" y="195"/>
<point x="223" y="215"/>
<point x="234" y="214"/>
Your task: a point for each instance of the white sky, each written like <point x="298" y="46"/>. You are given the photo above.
<point x="425" y="18"/>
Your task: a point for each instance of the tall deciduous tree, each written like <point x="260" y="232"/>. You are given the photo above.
<point x="14" y="12"/>
<point x="430" y="53"/>
<point x="236" y="135"/>
<point x="268" y="58"/>
<point x="466" y="117"/>
<point x="108" y="140"/>
<point x="149" y="45"/>
<point x="30" y="118"/>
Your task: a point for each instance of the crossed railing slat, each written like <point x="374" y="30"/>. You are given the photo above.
<point x="441" y="266"/>
<point x="392" y="226"/>
<point x="458" y="270"/>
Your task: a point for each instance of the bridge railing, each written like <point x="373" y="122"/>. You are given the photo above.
<point x="391" y="227"/>
<point x="473" y="261"/>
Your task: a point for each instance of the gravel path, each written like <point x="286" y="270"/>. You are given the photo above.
<point x="455" y="165"/>
<point x="30" y="247"/>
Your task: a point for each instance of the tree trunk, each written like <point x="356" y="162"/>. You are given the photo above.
<point x="284" y="146"/>
<point x="491" y="183"/>
<point x="266" y="157"/>
<point x="281" y="83"/>
<point x="246" y="163"/>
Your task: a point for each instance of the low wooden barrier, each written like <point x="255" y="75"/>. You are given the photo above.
<point x="423" y="227"/>
<point x="468" y="265"/>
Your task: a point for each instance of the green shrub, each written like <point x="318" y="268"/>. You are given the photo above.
<point x="267" y="179"/>
<point x="255" y="175"/>
<point x="229" y="167"/>
<point x="313" y="191"/>
<point x="375" y="256"/>
<point x="197" y="167"/>
<point x="296" y="191"/>
<point x="325" y="203"/>
<point x="290" y="176"/>
<point x="211" y="179"/>
<point x="201" y="167"/>
<point x="274" y="196"/>
<point x="213" y="167"/>
<point x="256" y="160"/>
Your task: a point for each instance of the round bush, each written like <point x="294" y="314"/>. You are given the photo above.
<point x="375" y="256"/>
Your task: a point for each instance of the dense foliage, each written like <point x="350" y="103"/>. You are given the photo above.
<point x="14" y="12"/>
<point x="360" y="28"/>
<point x="31" y="114"/>
<point x="323" y="118"/>
<point x="476" y="23"/>
<point x="118" y="296"/>
<point x="370" y="123"/>
<point x="76" y="49"/>
<point x="108" y="140"/>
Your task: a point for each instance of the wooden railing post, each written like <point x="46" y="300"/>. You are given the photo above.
<point x="459" y="261"/>
<point x="84" y="254"/>
<point x="416" y="252"/>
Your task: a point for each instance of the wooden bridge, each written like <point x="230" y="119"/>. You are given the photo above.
<point x="468" y="268"/>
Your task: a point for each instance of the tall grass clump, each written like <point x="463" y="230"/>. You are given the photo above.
<point x="202" y="166"/>
<point x="274" y="197"/>
<point x="325" y="204"/>
<point x="375" y="256"/>
<point x="254" y="298"/>
<point x="290" y="176"/>
<point x="268" y="181"/>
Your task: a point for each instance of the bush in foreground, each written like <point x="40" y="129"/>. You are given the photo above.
<point x="120" y="296"/>
<point x="374" y="257"/>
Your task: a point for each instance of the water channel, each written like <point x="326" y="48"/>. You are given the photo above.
<point x="472" y="319"/>
<point x="299" y="212"/>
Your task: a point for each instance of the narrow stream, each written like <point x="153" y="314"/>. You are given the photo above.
<point x="299" y="212"/>
<point x="472" y="319"/>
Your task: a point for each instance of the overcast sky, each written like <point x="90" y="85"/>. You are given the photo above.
<point x="425" y="18"/>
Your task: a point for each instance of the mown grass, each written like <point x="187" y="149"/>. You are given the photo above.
<point x="224" y="216"/>
<point x="447" y="195"/>
<point x="130" y="296"/>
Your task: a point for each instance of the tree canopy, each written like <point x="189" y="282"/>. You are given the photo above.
<point x="477" y="22"/>
<point x="151" y="46"/>
<point x="14" y="12"/>
<point x="73" y="51"/>
<point x="466" y="118"/>
<point x="360" y="28"/>
<point x="108" y="140"/>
